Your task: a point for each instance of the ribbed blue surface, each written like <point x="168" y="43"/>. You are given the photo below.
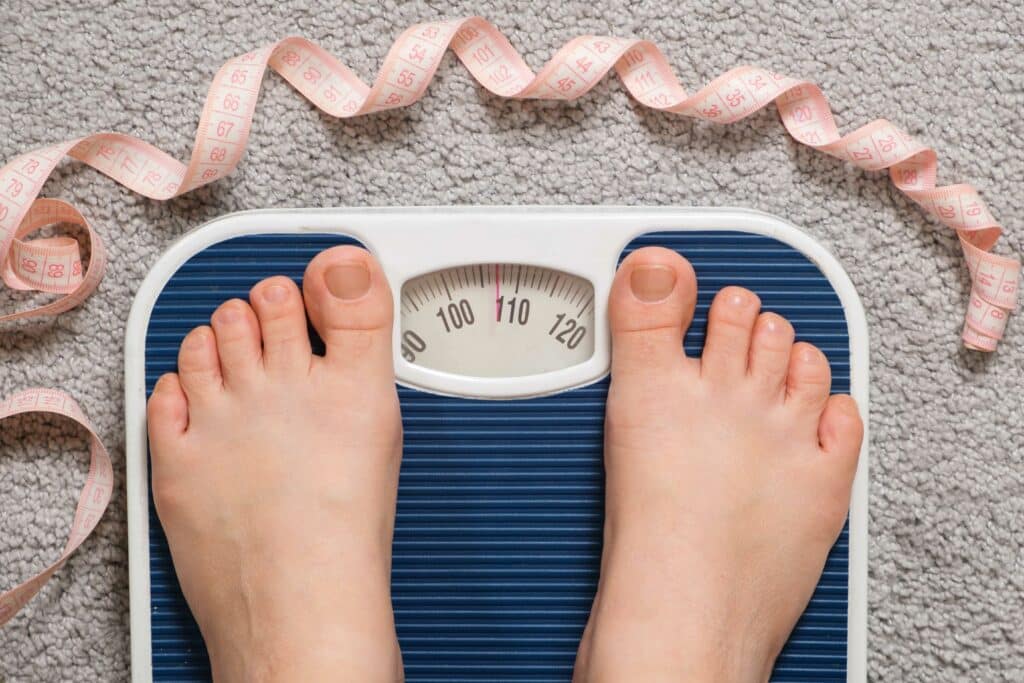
<point x="498" y="535"/>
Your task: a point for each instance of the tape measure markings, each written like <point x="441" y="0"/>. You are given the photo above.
<point x="92" y="501"/>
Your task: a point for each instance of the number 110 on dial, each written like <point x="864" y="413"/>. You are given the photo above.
<point x="497" y="320"/>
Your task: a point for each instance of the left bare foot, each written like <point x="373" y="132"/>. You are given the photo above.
<point x="275" y="474"/>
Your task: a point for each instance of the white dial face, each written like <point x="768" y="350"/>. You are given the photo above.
<point x="497" y="320"/>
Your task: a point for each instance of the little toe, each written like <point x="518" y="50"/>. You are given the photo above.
<point x="770" y="349"/>
<point x="350" y="304"/>
<point x="809" y="380"/>
<point x="238" y="341"/>
<point x="650" y="307"/>
<point x="199" y="365"/>
<point x="730" y="326"/>
<point x="278" y="306"/>
<point x="166" y="413"/>
<point x="841" y="431"/>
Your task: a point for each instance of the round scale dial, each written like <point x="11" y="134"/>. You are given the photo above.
<point x="497" y="320"/>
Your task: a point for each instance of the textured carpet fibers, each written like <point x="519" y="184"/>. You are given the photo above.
<point x="947" y="510"/>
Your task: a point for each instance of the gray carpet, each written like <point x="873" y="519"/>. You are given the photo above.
<point x="947" y="477"/>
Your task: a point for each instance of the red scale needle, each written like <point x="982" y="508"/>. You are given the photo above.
<point x="497" y="292"/>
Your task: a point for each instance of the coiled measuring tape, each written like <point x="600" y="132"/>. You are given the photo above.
<point x="54" y="264"/>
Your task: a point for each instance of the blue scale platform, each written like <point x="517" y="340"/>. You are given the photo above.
<point x="498" y="536"/>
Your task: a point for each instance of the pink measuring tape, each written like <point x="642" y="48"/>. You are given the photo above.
<point x="54" y="264"/>
<point x="99" y="484"/>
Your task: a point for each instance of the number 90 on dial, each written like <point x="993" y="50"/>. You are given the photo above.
<point x="497" y="320"/>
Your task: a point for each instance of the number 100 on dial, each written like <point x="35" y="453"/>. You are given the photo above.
<point x="497" y="320"/>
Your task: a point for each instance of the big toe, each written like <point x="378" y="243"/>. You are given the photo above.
<point x="350" y="304"/>
<point x="650" y="308"/>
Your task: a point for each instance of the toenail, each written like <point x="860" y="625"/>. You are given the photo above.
<point x="652" y="283"/>
<point x="228" y="314"/>
<point x="196" y="340"/>
<point x="275" y="294"/>
<point x="810" y="354"/>
<point x="348" y="280"/>
<point x="772" y="325"/>
<point x="739" y="299"/>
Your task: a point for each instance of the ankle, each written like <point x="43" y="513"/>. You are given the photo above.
<point x="303" y="630"/>
<point x="363" y="657"/>
<point x="626" y="645"/>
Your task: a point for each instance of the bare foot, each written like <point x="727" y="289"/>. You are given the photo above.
<point x="728" y="481"/>
<point x="275" y="475"/>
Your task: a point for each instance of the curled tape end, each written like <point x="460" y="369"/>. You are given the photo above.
<point x="977" y="341"/>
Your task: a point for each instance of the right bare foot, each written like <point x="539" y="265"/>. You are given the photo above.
<point x="275" y="475"/>
<point x="728" y="481"/>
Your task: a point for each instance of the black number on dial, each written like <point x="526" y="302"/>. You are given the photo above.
<point x="412" y="344"/>
<point x="518" y="310"/>
<point x="456" y="315"/>
<point x="567" y="331"/>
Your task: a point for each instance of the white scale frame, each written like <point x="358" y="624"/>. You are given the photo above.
<point x="408" y="242"/>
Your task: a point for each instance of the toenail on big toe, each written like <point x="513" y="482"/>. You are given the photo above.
<point x="348" y="280"/>
<point x="652" y="283"/>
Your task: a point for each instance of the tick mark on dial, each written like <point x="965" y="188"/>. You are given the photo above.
<point x="585" y="306"/>
<point x="446" y="290"/>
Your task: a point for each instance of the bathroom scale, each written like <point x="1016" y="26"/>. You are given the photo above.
<point x="501" y="350"/>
